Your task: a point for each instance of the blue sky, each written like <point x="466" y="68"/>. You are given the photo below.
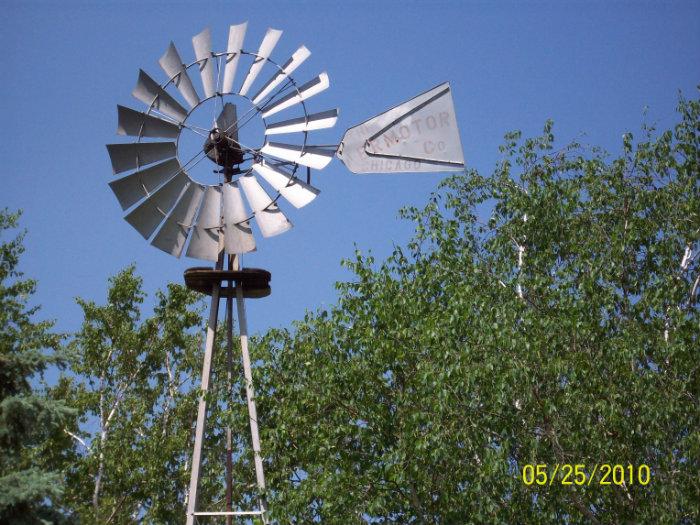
<point x="590" y="66"/>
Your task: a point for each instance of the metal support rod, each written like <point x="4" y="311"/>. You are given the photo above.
<point x="202" y="410"/>
<point x="250" y="394"/>
<point x="230" y="260"/>
<point x="229" y="388"/>
<point x="192" y="502"/>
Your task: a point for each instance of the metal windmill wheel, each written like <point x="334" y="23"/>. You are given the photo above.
<point x="187" y="209"/>
<point x="213" y="221"/>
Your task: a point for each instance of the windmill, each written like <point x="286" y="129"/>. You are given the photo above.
<point x="214" y="221"/>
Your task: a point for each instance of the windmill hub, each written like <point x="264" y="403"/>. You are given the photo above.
<point x="223" y="149"/>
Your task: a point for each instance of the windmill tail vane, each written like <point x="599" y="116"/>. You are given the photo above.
<point x="181" y="214"/>
<point x="419" y="135"/>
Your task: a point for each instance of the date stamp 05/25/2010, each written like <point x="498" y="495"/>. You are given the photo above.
<point x="582" y="474"/>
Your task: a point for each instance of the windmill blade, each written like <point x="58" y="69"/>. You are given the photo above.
<point x="316" y="157"/>
<point x="150" y="93"/>
<point x="297" y="59"/>
<point x="268" y="216"/>
<point x="238" y="237"/>
<point x="210" y="212"/>
<point x="236" y="35"/>
<point x="298" y="193"/>
<point x="256" y="194"/>
<point x="202" y="52"/>
<point x="204" y="244"/>
<point x="323" y="120"/>
<point x="227" y="120"/>
<point x="234" y="209"/>
<point x="268" y="44"/>
<point x="126" y="157"/>
<point x="204" y="240"/>
<point x="146" y="217"/>
<point x="272" y="221"/>
<point x="173" y="233"/>
<point x="419" y="135"/>
<point x="134" y="187"/>
<point x="172" y="64"/>
<point x="308" y="90"/>
<point x="138" y="124"/>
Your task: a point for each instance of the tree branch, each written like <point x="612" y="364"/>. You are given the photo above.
<point x="76" y="437"/>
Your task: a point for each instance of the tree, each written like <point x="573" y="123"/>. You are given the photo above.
<point x="136" y="383"/>
<point x="28" y="416"/>
<point x="544" y="314"/>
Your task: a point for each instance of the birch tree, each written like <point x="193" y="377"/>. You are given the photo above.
<point x="445" y="370"/>
<point x="135" y="381"/>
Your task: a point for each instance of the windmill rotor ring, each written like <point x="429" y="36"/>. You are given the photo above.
<point x="289" y="79"/>
<point x="161" y="199"/>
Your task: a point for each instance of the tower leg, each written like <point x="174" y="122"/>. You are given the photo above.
<point x="202" y="411"/>
<point x="229" y="376"/>
<point x="250" y="394"/>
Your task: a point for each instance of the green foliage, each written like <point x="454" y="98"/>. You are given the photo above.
<point x="28" y="416"/>
<point x="136" y="382"/>
<point x="448" y="367"/>
<point x="544" y="314"/>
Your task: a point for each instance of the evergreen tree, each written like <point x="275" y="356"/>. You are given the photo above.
<point x="28" y="416"/>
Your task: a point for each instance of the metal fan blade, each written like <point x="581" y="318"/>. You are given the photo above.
<point x="134" y="187"/>
<point x="172" y="64"/>
<point x="150" y="93"/>
<point x="202" y="52"/>
<point x="311" y="88"/>
<point x="298" y="193"/>
<point x="173" y="233"/>
<point x="325" y="119"/>
<point x="210" y="212"/>
<point x="126" y="157"/>
<point x="234" y="209"/>
<point x="288" y="68"/>
<point x="146" y="217"/>
<point x="204" y="244"/>
<point x="135" y="123"/>
<point x="204" y="241"/>
<point x="272" y="221"/>
<point x="419" y="135"/>
<point x="238" y="237"/>
<point x="268" y="216"/>
<point x="236" y="35"/>
<point x="268" y="44"/>
<point x="316" y="157"/>
<point x="256" y="194"/>
<point x="227" y="119"/>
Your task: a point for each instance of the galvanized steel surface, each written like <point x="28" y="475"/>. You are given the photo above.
<point x="419" y="135"/>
